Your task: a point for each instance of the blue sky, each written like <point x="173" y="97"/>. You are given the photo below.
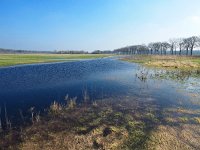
<point x="94" y="24"/>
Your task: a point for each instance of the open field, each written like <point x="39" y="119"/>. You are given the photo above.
<point x="171" y="62"/>
<point x="15" y="59"/>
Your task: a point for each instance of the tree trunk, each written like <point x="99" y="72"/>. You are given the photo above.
<point x="191" y="50"/>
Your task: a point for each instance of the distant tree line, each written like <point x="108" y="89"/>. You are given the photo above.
<point x="176" y="46"/>
<point x="102" y="52"/>
<point x="71" y="52"/>
<point x="12" y="51"/>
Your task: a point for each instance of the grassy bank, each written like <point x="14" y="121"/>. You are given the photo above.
<point x="120" y="124"/>
<point x="171" y="62"/>
<point x="16" y="59"/>
<point x="97" y="125"/>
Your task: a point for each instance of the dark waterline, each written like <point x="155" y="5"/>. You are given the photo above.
<point x="22" y="87"/>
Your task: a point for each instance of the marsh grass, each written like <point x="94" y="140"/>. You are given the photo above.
<point x="180" y="76"/>
<point x="93" y="125"/>
<point x="180" y="130"/>
<point x="103" y="126"/>
<point x="168" y="61"/>
<point x="107" y="124"/>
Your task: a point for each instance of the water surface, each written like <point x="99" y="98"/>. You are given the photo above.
<point x="25" y="86"/>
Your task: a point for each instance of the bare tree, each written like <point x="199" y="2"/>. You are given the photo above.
<point x="151" y="47"/>
<point x="173" y="45"/>
<point x="193" y="42"/>
<point x="198" y="42"/>
<point x="157" y="47"/>
<point x="142" y="49"/>
<point x="161" y="47"/>
<point x="186" y="44"/>
<point x="165" y="46"/>
<point x="180" y="44"/>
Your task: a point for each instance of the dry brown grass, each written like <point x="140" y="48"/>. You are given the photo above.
<point x="181" y="131"/>
<point x="105" y="125"/>
<point x="121" y="124"/>
<point x="184" y="137"/>
<point x="174" y="64"/>
<point x="181" y="62"/>
<point x="72" y="141"/>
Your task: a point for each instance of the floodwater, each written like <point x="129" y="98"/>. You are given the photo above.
<point x="38" y="85"/>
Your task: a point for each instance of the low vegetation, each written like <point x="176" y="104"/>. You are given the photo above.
<point x="180" y="131"/>
<point x="16" y="59"/>
<point x="107" y="124"/>
<point x="169" y="61"/>
<point x="97" y="125"/>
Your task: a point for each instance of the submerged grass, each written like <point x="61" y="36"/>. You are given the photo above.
<point x="15" y="59"/>
<point x="121" y="124"/>
<point x="98" y="125"/>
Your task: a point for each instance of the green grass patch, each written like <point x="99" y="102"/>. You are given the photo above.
<point x="16" y="59"/>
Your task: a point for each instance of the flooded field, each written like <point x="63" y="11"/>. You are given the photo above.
<point x="102" y="99"/>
